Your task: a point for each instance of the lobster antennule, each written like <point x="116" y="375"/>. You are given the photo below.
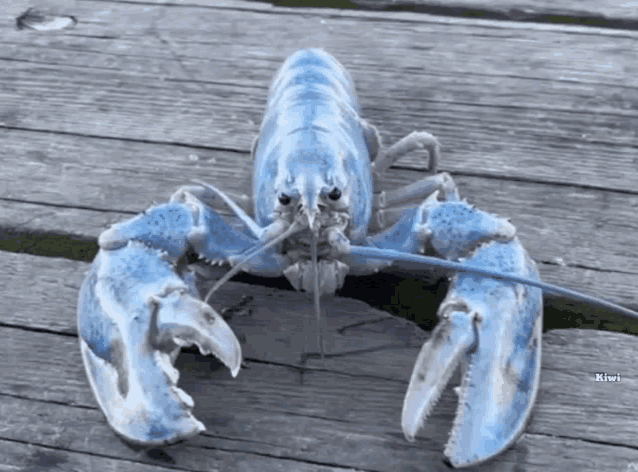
<point x="316" y="293"/>
<point x="255" y="229"/>
<point x="391" y="254"/>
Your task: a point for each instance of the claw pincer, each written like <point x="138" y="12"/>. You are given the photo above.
<point x="135" y="312"/>
<point x="490" y="327"/>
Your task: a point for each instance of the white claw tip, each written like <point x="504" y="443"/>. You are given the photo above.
<point x="200" y="426"/>
<point x="235" y="370"/>
<point x="408" y="436"/>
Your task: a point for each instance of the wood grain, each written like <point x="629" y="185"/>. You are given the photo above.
<point x="537" y="123"/>
<point x="611" y="13"/>
<point x="506" y="104"/>
<point x="590" y="231"/>
<point x="276" y="415"/>
<point x="107" y="97"/>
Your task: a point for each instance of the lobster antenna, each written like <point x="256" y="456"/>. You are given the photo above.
<point x="316" y="294"/>
<point x="391" y="254"/>
<point x="294" y="227"/>
<point x="247" y="220"/>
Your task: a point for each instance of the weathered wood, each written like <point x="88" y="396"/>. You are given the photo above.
<point x="28" y="457"/>
<point x="537" y="123"/>
<point x="138" y="84"/>
<point x="504" y="100"/>
<point x="615" y="13"/>
<point x="588" y="230"/>
<point x="268" y="418"/>
<point x="138" y="89"/>
<point x="35" y="458"/>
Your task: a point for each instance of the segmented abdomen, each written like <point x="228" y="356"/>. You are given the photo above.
<point x="312" y="120"/>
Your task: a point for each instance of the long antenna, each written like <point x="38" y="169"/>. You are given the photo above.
<point x="316" y="294"/>
<point x="391" y="254"/>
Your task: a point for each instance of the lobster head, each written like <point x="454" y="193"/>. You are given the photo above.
<point x="314" y="189"/>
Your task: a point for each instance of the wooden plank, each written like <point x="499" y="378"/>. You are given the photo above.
<point x="151" y="77"/>
<point x="28" y="457"/>
<point x="343" y="416"/>
<point x="587" y="230"/>
<point x="503" y="98"/>
<point x="611" y="13"/>
<point x="107" y="174"/>
<point x="406" y="297"/>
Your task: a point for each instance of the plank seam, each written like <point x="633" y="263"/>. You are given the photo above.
<point x="591" y="441"/>
<point x="551" y="16"/>
<point x="124" y="138"/>
<point x="232" y="451"/>
<point x="397" y="16"/>
<point x="191" y="79"/>
<point x="294" y="367"/>
<point x="584" y="267"/>
<point x="528" y="180"/>
<point x="87" y="453"/>
<point x="52" y="402"/>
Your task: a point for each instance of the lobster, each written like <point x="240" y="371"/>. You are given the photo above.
<point x="314" y="163"/>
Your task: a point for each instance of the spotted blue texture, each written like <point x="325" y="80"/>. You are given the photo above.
<point x="458" y="227"/>
<point x="97" y="329"/>
<point x="496" y="325"/>
<point x="503" y="376"/>
<point x="171" y="228"/>
<point x="116" y="327"/>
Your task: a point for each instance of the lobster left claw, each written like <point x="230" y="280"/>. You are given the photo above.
<point x="134" y="314"/>
<point x="493" y="329"/>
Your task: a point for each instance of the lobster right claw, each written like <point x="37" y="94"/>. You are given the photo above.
<point x="495" y="328"/>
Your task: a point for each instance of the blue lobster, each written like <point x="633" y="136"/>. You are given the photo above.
<point x="315" y="159"/>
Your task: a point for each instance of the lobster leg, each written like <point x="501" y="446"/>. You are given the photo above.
<point x="411" y="142"/>
<point x="206" y="196"/>
<point x="387" y="209"/>
<point x="387" y="205"/>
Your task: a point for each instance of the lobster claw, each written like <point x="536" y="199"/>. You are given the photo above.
<point x="493" y="329"/>
<point x="134" y="315"/>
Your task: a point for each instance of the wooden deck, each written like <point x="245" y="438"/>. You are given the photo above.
<point x="538" y="122"/>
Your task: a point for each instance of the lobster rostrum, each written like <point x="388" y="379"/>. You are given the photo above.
<point x="314" y="163"/>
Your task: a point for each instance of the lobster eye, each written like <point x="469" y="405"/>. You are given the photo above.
<point x="284" y="199"/>
<point x="335" y="194"/>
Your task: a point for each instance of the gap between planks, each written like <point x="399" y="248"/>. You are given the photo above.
<point x="588" y="15"/>
<point x="577" y="105"/>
